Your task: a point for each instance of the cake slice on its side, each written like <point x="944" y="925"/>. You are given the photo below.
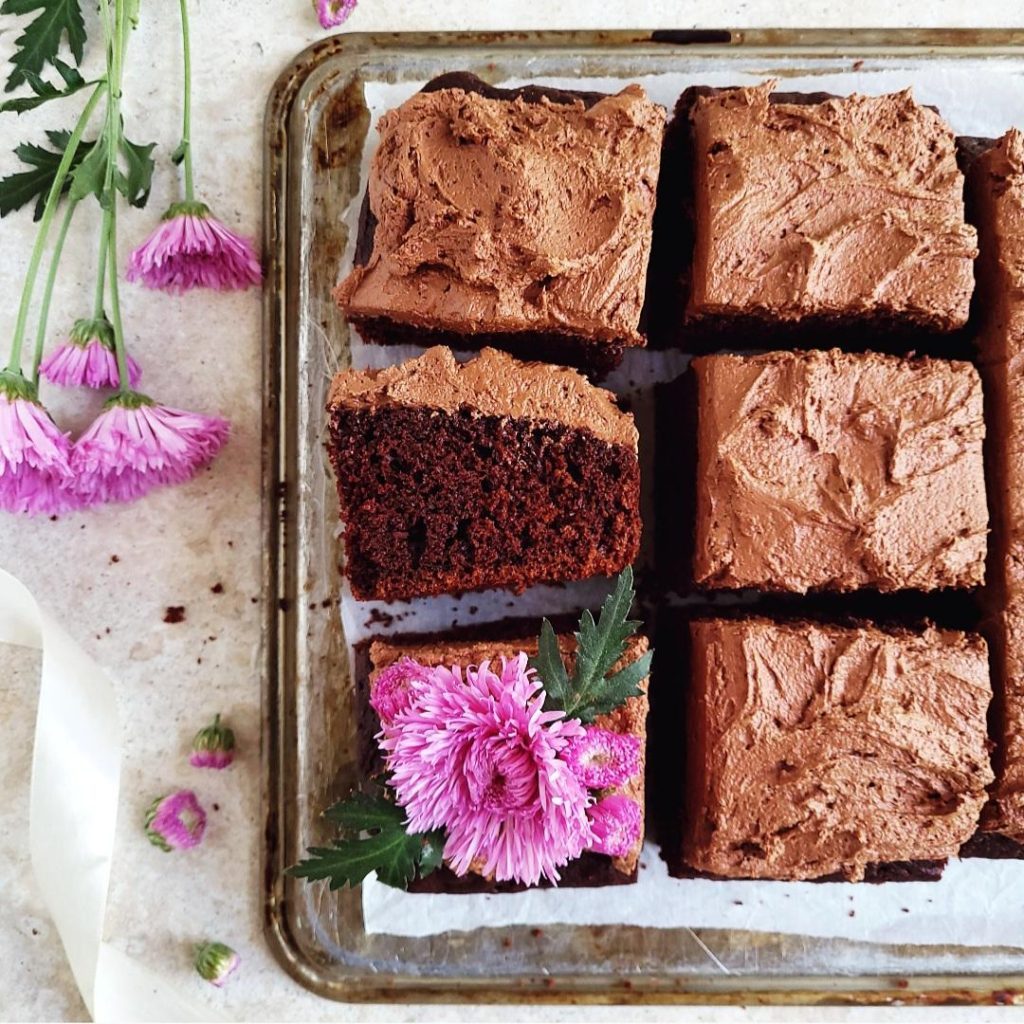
<point x="818" y="752"/>
<point x="629" y="720"/>
<point x="839" y="471"/>
<point x="491" y="473"/>
<point x="996" y="196"/>
<point x="812" y="212"/>
<point x="516" y="218"/>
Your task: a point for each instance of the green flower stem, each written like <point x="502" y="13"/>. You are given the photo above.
<point x="115" y="310"/>
<point x="186" y="125"/>
<point x="51" y="280"/>
<point x="101" y="275"/>
<point x="49" y="210"/>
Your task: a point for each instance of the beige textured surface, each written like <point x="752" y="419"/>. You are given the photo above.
<point x="202" y="352"/>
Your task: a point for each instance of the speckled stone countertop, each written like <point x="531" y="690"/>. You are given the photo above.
<point x="110" y="575"/>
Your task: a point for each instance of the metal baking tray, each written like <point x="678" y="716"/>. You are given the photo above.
<point x="316" y="126"/>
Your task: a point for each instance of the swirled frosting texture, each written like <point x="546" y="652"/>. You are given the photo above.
<point x="851" y="208"/>
<point x="839" y="471"/>
<point x="503" y="216"/>
<point x="997" y="188"/>
<point x="629" y="718"/>
<point x="493" y="384"/>
<point x="816" y="750"/>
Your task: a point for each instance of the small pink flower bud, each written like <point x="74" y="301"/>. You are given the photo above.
<point x="216" y="962"/>
<point x="176" y="821"/>
<point x="213" y="747"/>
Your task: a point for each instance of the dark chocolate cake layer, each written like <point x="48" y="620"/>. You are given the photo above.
<point x="493" y="473"/>
<point x="517" y="218"/>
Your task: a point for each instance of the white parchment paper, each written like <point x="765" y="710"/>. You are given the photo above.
<point x="978" y="902"/>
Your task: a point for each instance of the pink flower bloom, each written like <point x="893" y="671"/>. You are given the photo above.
<point x="216" y="962"/>
<point x="213" y="747"/>
<point x="602" y="758"/>
<point x="192" y="249"/>
<point x="176" y="821"/>
<point x="333" y="13"/>
<point x="87" y="359"/>
<point x="480" y="758"/>
<point x="35" y="471"/>
<point x="135" y="445"/>
<point x="615" y="821"/>
<point x="392" y="691"/>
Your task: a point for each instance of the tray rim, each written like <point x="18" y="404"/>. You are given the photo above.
<point x="278" y="333"/>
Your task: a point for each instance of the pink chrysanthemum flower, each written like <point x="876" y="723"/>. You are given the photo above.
<point x="615" y="822"/>
<point x="35" y="470"/>
<point x="333" y="13"/>
<point x="87" y="359"/>
<point x="213" y="746"/>
<point x="602" y="758"/>
<point x="192" y="249"/>
<point x="392" y="690"/>
<point x="480" y="758"/>
<point x="176" y="821"/>
<point x="135" y="445"/>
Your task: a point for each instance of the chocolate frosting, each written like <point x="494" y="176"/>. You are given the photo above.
<point x="817" y="750"/>
<point x="503" y="216"/>
<point x="492" y="384"/>
<point x="839" y="471"/>
<point x="848" y="207"/>
<point x="630" y="717"/>
<point x="997" y="189"/>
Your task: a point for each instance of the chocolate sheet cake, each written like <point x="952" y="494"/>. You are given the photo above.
<point x="838" y="471"/>
<point x="631" y="719"/>
<point x="821" y="752"/>
<point x="491" y="473"/>
<point x="517" y="218"/>
<point x="809" y="212"/>
<point x="996" y="184"/>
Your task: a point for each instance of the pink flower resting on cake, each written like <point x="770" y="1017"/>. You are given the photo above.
<point x="176" y="821"/>
<point x="192" y="249"/>
<point x="87" y="359"/>
<point x="602" y="758"/>
<point x="479" y="757"/>
<point x="333" y="13"/>
<point x="135" y="445"/>
<point x="393" y="689"/>
<point x="615" y="822"/>
<point x="35" y="471"/>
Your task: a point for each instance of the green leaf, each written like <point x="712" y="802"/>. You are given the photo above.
<point x="34" y="184"/>
<point x="89" y="177"/>
<point x="374" y="838"/>
<point x="590" y="691"/>
<point x="39" y="44"/>
<point x="180" y="152"/>
<point x="549" y="666"/>
<point x="45" y="91"/>
<point x="135" y="182"/>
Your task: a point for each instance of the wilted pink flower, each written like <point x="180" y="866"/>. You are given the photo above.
<point x="176" y="821"/>
<point x="135" y="445"/>
<point x="333" y="13"/>
<point x="392" y="689"/>
<point x="35" y="472"/>
<point x="615" y="822"/>
<point x="480" y="758"/>
<point x="87" y="359"/>
<point x="192" y="249"/>
<point x="602" y="758"/>
<point x="213" y="746"/>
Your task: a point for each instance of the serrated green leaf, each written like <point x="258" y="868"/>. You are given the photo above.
<point x="433" y="853"/>
<point x="618" y="688"/>
<point x="25" y="186"/>
<point x="135" y="182"/>
<point x="44" y="91"/>
<point x="89" y="177"/>
<point x="599" y="646"/>
<point x="40" y="42"/>
<point x="549" y="666"/>
<point x="364" y="813"/>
